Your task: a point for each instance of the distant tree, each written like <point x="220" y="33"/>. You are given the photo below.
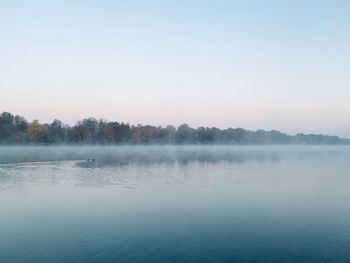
<point x="184" y="134"/>
<point x="148" y="134"/>
<point x="21" y="123"/>
<point x="171" y="132"/>
<point x="58" y="131"/>
<point x="124" y="132"/>
<point x="21" y="126"/>
<point x="240" y="136"/>
<point x="90" y="126"/>
<point x="6" y="118"/>
<point x="136" y="134"/>
<point x="34" y="131"/>
<point x="7" y="127"/>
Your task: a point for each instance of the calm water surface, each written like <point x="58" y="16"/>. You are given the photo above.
<point x="175" y="204"/>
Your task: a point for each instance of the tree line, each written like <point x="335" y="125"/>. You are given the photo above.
<point x="15" y="129"/>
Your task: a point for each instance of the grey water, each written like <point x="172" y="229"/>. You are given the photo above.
<point x="175" y="204"/>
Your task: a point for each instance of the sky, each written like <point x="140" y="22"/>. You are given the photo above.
<point x="265" y="64"/>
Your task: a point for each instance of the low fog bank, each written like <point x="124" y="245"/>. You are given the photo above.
<point x="95" y="156"/>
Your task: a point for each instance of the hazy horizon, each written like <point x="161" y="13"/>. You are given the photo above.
<point x="80" y="121"/>
<point x="256" y="65"/>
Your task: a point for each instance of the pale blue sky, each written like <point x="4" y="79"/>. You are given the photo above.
<point x="255" y="64"/>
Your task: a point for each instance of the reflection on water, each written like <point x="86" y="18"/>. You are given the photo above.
<point x="174" y="204"/>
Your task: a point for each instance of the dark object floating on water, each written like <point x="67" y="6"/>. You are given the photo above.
<point x="89" y="163"/>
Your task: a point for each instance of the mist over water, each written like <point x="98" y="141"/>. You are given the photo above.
<point x="121" y="155"/>
<point x="174" y="204"/>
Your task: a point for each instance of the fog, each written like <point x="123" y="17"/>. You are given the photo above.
<point x="96" y="156"/>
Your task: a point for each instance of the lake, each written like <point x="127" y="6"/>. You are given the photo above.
<point x="174" y="204"/>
